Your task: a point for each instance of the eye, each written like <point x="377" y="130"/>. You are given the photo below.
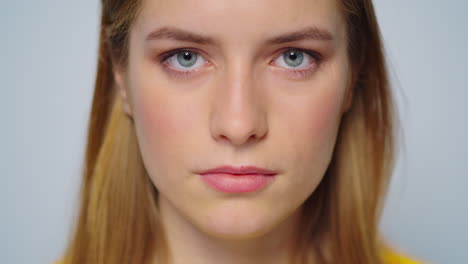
<point x="184" y="60"/>
<point x="297" y="59"/>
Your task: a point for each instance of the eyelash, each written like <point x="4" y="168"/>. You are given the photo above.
<point x="163" y="60"/>
<point x="296" y="74"/>
<point x="304" y="73"/>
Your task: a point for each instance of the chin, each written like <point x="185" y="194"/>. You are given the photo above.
<point x="231" y="222"/>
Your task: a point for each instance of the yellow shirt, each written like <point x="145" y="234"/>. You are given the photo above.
<point x="392" y="257"/>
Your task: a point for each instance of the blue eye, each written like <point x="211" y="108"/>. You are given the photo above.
<point x="185" y="60"/>
<point x="295" y="59"/>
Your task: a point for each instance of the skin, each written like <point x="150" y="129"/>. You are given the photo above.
<point x="244" y="106"/>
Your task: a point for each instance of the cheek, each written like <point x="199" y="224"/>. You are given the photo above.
<point x="163" y="123"/>
<point x="158" y="119"/>
<point x="314" y="118"/>
<point x="316" y="133"/>
<point x="322" y="116"/>
<point x="309" y="123"/>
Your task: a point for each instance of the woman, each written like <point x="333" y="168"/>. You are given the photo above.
<point x="237" y="132"/>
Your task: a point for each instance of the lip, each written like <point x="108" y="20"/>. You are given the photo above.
<point x="242" y="179"/>
<point x="242" y="170"/>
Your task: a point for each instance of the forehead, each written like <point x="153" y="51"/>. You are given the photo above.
<point x="230" y="20"/>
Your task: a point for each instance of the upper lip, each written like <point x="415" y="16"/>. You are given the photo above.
<point x="239" y="170"/>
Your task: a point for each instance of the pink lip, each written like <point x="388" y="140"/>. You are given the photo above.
<point x="239" y="170"/>
<point x="237" y="179"/>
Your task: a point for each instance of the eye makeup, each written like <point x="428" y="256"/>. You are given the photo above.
<point x="165" y="59"/>
<point x="315" y="59"/>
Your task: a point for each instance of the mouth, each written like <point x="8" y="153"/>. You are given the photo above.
<point x="229" y="179"/>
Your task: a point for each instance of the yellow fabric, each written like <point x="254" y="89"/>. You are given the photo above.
<point x="395" y="258"/>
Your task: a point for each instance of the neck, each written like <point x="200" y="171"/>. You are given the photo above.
<point x="188" y="244"/>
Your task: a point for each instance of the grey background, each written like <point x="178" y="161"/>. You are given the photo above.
<point x="47" y="71"/>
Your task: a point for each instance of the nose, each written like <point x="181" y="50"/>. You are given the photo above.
<point x="238" y="116"/>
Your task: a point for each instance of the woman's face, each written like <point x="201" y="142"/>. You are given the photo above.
<point x="254" y="83"/>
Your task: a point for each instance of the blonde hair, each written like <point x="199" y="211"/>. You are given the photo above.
<point x="118" y="219"/>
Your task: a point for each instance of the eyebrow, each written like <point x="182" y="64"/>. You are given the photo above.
<point x="179" y="34"/>
<point x="311" y="33"/>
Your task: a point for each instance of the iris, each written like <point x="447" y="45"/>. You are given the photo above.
<point x="187" y="58"/>
<point x="293" y="58"/>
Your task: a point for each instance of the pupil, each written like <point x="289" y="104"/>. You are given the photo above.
<point x="187" y="56"/>
<point x="292" y="55"/>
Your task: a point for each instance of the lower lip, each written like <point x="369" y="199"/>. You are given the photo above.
<point x="230" y="183"/>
